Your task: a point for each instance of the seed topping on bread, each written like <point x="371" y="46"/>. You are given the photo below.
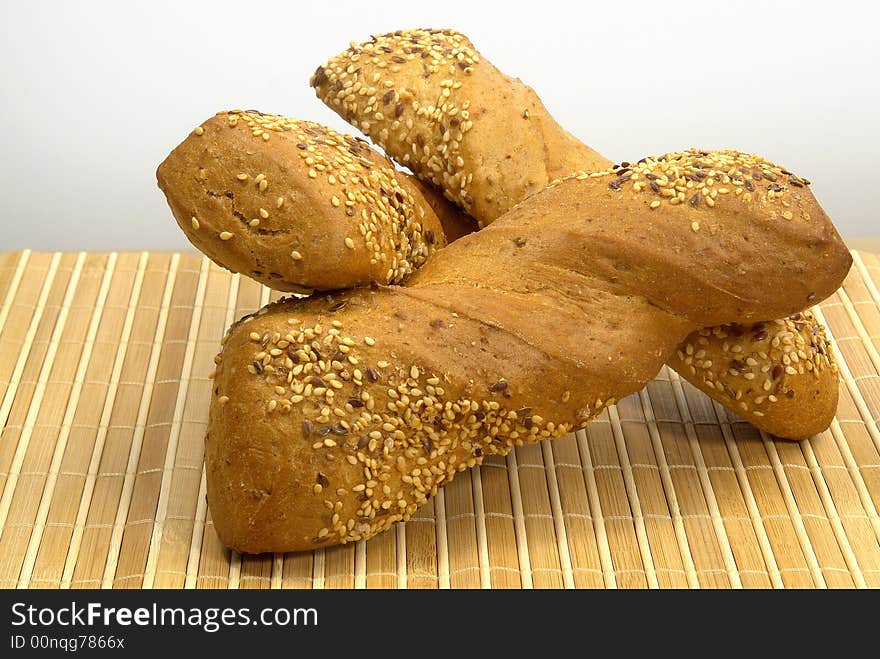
<point x="380" y="109"/>
<point x="701" y="178"/>
<point x="389" y="218"/>
<point x="396" y="423"/>
<point x="760" y="358"/>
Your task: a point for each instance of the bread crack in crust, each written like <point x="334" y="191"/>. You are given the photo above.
<point x="337" y="415"/>
<point x="296" y="205"/>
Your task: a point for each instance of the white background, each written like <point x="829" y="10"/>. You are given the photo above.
<point x="96" y="94"/>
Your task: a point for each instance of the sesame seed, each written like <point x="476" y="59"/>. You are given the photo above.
<point x="295" y="255"/>
<point x="264" y="213"/>
<point x="199" y="130"/>
<point x="349" y="243"/>
<point x="195" y="223"/>
<point x="655" y="204"/>
<point x="242" y="177"/>
<point x="369" y="340"/>
<point x="225" y="235"/>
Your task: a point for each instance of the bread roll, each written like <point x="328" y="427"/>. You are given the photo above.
<point x="296" y="205"/>
<point x="335" y="416"/>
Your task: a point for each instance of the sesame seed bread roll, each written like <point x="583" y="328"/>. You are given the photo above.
<point x="333" y="417"/>
<point x="437" y="106"/>
<point x="296" y="205"/>
<point x="777" y="375"/>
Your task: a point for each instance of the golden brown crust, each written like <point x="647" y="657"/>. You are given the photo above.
<point x="436" y="106"/>
<point x="456" y="223"/>
<point x="778" y="375"/>
<point x="296" y="205"/>
<point x="335" y="416"/>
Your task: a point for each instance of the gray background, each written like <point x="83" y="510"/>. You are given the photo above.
<point x="95" y="94"/>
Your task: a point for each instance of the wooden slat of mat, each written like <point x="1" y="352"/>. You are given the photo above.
<point x="641" y="462"/>
<point x="461" y="559"/>
<point x="844" y="490"/>
<point x="829" y="548"/>
<point x="855" y="414"/>
<point x="379" y="561"/>
<point x="558" y="518"/>
<point x="29" y="361"/>
<point x="542" y="542"/>
<point x="89" y="426"/>
<point x="24" y="331"/>
<point x="864" y="308"/>
<point x="790" y="555"/>
<point x="501" y="539"/>
<point x="126" y="560"/>
<point x="574" y="504"/>
<point x="97" y="269"/>
<point x="705" y="449"/>
<point x="480" y="523"/>
<point x="704" y="547"/>
<point x="705" y="534"/>
<point x="17" y="313"/>
<point x="420" y="557"/>
<point x="852" y="434"/>
<point x="12" y="269"/>
<point x="627" y="551"/>
<point x="175" y="521"/>
<point x="38" y="433"/>
<point x="97" y="515"/>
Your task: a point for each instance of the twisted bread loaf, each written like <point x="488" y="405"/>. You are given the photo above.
<point x="298" y="206"/>
<point x="418" y="67"/>
<point x="436" y="106"/>
<point x="335" y="416"/>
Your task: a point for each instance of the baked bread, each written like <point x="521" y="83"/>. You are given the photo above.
<point x="296" y="205"/>
<point x="779" y="375"/>
<point x="334" y="416"/>
<point x="455" y="222"/>
<point x="436" y="106"/>
<point x="476" y="84"/>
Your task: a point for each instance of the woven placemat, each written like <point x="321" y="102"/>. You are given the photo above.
<point x="104" y="395"/>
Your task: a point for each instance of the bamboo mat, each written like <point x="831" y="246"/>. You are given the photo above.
<point x="103" y="401"/>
